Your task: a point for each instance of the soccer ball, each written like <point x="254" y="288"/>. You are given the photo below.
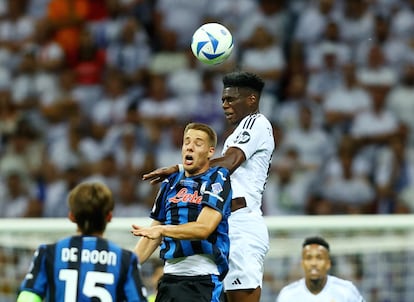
<point x="212" y="43"/>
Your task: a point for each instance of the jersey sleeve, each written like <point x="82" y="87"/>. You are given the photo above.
<point x="134" y="289"/>
<point x="218" y="193"/>
<point x="158" y="209"/>
<point x="252" y="134"/>
<point x="35" y="280"/>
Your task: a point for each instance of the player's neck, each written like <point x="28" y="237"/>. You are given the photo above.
<point x="316" y="286"/>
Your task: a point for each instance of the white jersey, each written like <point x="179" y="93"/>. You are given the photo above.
<point x="254" y="136"/>
<point x="335" y="290"/>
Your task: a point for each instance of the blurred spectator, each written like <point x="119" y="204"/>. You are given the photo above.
<point x="312" y="21"/>
<point x="357" y="23"/>
<point x="264" y="56"/>
<point x="131" y="53"/>
<point x="348" y="193"/>
<point x="68" y="18"/>
<point x="129" y="149"/>
<point x="403" y="20"/>
<point x="15" y="29"/>
<point x="158" y="111"/>
<point x="399" y="101"/>
<point x="16" y="197"/>
<point x="329" y="77"/>
<point x="56" y="185"/>
<point x="179" y="17"/>
<point x="270" y="14"/>
<point x="331" y="39"/>
<point x="344" y="102"/>
<point x="312" y="144"/>
<point x="9" y="117"/>
<point x="111" y="109"/>
<point x="288" y="187"/>
<point x="128" y="203"/>
<point x="288" y="114"/>
<point x="394" y="174"/>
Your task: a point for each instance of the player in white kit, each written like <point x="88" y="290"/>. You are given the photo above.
<point x="318" y="285"/>
<point x="247" y="153"/>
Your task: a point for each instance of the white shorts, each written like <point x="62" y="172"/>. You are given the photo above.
<point x="249" y="243"/>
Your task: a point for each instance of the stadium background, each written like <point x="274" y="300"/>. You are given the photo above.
<point x="101" y="89"/>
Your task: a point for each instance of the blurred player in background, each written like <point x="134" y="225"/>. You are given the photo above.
<point x="317" y="285"/>
<point x="247" y="154"/>
<point x="190" y="221"/>
<point x="85" y="267"/>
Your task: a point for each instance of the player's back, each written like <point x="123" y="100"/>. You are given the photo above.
<point x="84" y="268"/>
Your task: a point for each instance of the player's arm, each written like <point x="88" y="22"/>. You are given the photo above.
<point x="231" y="160"/>
<point x="26" y="296"/>
<point x="160" y="174"/>
<point x="146" y="246"/>
<point x="205" y="224"/>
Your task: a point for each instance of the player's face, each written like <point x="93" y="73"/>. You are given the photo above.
<point x="315" y="262"/>
<point x="196" y="152"/>
<point x="236" y="105"/>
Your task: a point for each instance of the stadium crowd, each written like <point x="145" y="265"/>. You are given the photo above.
<point x="101" y="89"/>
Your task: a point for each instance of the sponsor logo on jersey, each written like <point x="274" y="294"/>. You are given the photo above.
<point x="184" y="196"/>
<point x="188" y="183"/>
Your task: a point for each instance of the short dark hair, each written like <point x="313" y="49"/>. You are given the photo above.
<point x="316" y="240"/>
<point x="244" y="79"/>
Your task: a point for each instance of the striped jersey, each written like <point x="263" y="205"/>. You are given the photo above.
<point x="84" y="269"/>
<point x="254" y="136"/>
<point x="335" y="290"/>
<point x="181" y="199"/>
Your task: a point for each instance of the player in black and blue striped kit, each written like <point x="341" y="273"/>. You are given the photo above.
<point x="85" y="267"/>
<point x="190" y="217"/>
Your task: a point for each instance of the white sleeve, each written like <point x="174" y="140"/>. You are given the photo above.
<point x="252" y="135"/>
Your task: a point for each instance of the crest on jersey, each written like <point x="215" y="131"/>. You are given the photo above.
<point x="242" y="138"/>
<point x="216" y="188"/>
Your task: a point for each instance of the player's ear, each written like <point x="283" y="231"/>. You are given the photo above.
<point x="71" y="217"/>
<point x="211" y="152"/>
<point x="109" y="217"/>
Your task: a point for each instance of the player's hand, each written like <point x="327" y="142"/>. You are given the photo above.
<point x="153" y="232"/>
<point x="159" y="174"/>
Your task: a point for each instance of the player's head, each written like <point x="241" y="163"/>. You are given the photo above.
<point x="199" y="142"/>
<point x="241" y="94"/>
<point x="316" y="261"/>
<point x="90" y="207"/>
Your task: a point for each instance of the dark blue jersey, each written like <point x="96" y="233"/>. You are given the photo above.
<point x="180" y="201"/>
<point x="84" y="268"/>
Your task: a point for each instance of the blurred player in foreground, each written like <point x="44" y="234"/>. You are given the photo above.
<point x="247" y="154"/>
<point x="317" y="285"/>
<point x="190" y="221"/>
<point x="85" y="267"/>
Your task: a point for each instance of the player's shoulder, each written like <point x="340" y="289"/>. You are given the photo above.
<point x="290" y="290"/>
<point x="343" y="285"/>
<point x="254" y="121"/>
<point x="219" y="170"/>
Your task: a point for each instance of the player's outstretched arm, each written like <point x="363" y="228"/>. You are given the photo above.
<point x="160" y="174"/>
<point x="231" y="160"/>
<point x="145" y="247"/>
<point x="206" y="223"/>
